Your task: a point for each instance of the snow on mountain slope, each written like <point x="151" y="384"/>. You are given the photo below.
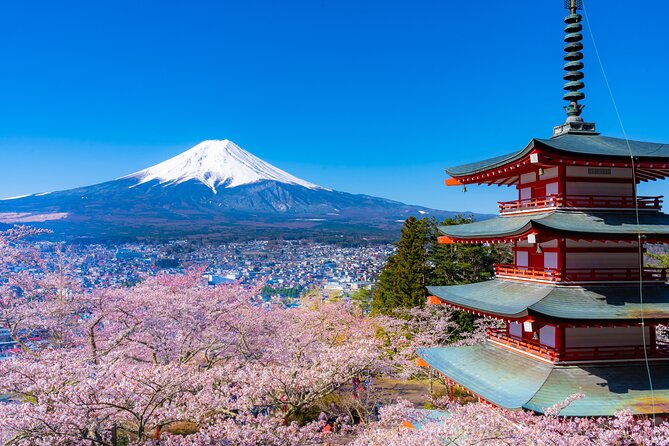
<point x="217" y="163"/>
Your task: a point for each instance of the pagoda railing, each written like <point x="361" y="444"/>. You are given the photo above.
<point x="534" y="347"/>
<point x="523" y="272"/>
<point x="577" y="275"/>
<point x="524" y="345"/>
<point x="580" y="201"/>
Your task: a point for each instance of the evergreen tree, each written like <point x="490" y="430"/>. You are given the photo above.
<point x="403" y="279"/>
<point x="420" y="260"/>
<point x="462" y="263"/>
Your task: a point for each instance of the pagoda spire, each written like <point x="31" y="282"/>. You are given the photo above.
<point x="573" y="61"/>
<point x="573" y="75"/>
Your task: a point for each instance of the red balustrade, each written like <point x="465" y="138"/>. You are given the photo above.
<point x="580" y="201"/>
<point x="551" y="201"/>
<point x="523" y="272"/>
<point x="657" y="350"/>
<point x="576" y="275"/>
<point x="525" y="345"/>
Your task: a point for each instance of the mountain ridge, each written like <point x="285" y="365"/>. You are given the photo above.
<point x="214" y="188"/>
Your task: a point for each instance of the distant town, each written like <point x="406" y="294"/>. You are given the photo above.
<point x="287" y="267"/>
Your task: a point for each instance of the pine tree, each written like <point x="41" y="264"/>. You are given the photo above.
<point x="420" y="260"/>
<point x="462" y="263"/>
<point x="403" y="279"/>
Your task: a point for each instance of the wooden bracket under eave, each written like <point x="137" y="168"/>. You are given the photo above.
<point x="453" y="182"/>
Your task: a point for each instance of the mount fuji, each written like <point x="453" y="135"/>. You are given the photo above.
<point x="215" y="189"/>
<point x="216" y="164"/>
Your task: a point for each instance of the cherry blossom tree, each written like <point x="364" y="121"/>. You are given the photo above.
<point x="34" y="299"/>
<point x="173" y="350"/>
<point x="201" y="365"/>
<point x="479" y="424"/>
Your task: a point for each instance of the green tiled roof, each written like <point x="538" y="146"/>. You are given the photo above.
<point x="499" y="297"/>
<point x="605" y="146"/>
<point x="607" y="389"/>
<point x="596" y="302"/>
<point x="595" y="145"/>
<point x="514" y="381"/>
<point x="489" y="372"/>
<point x="567" y="222"/>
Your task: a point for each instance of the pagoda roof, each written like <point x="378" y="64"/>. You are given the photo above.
<point x="510" y="299"/>
<point x="595" y="146"/>
<point x="568" y="223"/>
<point x="515" y="381"/>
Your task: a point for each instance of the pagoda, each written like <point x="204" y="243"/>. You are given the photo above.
<point x="578" y="306"/>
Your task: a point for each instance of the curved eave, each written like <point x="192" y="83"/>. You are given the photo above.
<point x="570" y="224"/>
<point x="651" y="159"/>
<point x="480" y="311"/>
<point x="489" y="373"/>
<point x="494" y="228"/>
<point x="484" y="297"/>
<point x="466" y="170"/>
<point x="514" y="381"/>
<point x="509" y="299"/>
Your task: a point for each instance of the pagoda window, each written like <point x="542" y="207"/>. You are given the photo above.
<point x="551" y="188"/>
<point x="522" y="258"/>
<point x="551" y="259"/>
<point x="516" y="329"/>
<point x="547" y="336"/>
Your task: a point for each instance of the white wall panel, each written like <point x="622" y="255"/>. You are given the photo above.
<point x="550" y="259"/>
<point x="515" y="329"/>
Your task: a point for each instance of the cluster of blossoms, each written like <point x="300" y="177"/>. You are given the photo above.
<point x="478" y="424"/>
<point x="201" y="365"/>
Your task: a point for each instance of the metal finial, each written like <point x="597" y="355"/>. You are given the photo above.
<point x="573" y="5"/>
<point x="573" y="61"/>
<point x="573" y="75"/>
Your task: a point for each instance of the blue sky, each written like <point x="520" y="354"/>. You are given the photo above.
<point x="370" y="96"/>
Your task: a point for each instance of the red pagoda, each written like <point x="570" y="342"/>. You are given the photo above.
<point x="579" y="307"/>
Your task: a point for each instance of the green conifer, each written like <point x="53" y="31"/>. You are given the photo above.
<point x="402" y="281"/>
<point x="420" y="260"/>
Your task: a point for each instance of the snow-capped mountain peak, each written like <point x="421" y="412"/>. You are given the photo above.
<point x="217" y="163"/>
